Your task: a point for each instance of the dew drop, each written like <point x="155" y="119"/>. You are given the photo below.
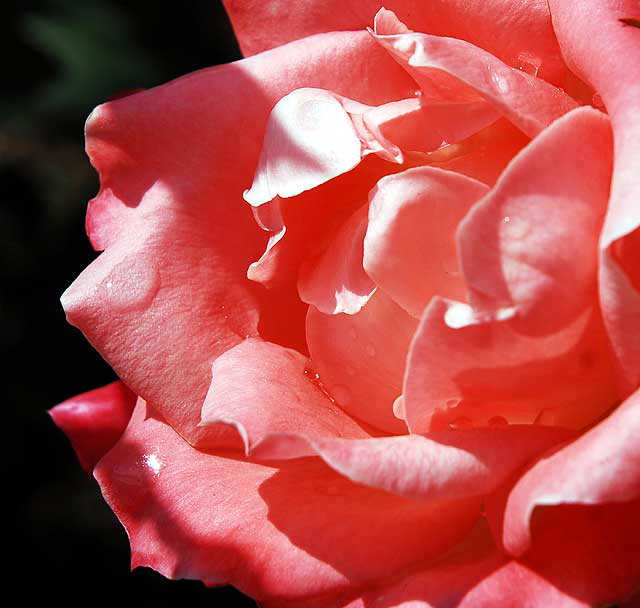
<point x="341" y="394"/>
<point x="153" y="463"/>
<point x="417" y="93"/>
<point x="506" y="219"/>
<point x="132" y="284"/>
<point x="529" y="63"/>
<point x="461" y="423"/>
<point x="597" y="102"/>
<point x="453" y="402"/>
<point x="498" y="421"/>
<point x="398" y="408"/>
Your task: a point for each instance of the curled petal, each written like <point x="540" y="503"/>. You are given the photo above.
<point x="95" y="420"/>
<point x="449" y="68"/>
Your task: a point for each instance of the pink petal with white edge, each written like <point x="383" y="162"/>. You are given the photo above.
<point x="409" y="247"/>
<point x="336" y="282"/>
<point x="606" y="53"/>
<point x="466" y="369"/>
<point x="519" y="33"/>
<point x="447" y="68"/>
<point x="533" y="240"/>
<point x="95" y="420"/>
<point x="360" y="358"/>
<point x="191" y="514"/>
<point x="602" y="466"/>
<point x="262" y="390"/>
<point x="170" y="293"/>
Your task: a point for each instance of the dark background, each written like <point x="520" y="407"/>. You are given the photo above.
<point x="60" y="59"/>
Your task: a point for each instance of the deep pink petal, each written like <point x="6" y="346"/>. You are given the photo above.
<point x="361" y="358"/>
<point x="336" y="281"/>
<point x="170" y="293"/>
<point x="448" y="68"/>
<point x="264" y="390"/>
<point x="284" y="533"/>
<point x="532" y="242"/>
<point x="95" y="420"/>
<point x="602" y="466"/>
<point x="589" y="552"/>
<point x="409" y="248"/>
<point x="519" y="33"/>
<point x="606" y="53"/>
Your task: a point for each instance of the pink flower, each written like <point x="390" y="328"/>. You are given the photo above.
<point x="423" y="389"/>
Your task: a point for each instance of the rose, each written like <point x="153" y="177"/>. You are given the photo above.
<point x="468" y="254"/>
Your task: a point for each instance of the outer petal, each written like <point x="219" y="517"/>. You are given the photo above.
<point x="519" y="33"/>
<point x="448" y="68"/>
<point x="288" y="533"/>
<point x="606" y="53"/>
<point x="409" y="248"/>
<point x="94" y="421"/>
<point x="602" y="466"/>
<point x="361" y="358"/>
<point x="170" y="294"/>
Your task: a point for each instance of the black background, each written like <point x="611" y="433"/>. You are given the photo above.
<point x="60" y="59"/>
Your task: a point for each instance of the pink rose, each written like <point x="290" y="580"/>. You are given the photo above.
<point x="423" y="389"/>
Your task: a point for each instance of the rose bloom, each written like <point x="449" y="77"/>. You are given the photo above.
<point x="373" y="297"/>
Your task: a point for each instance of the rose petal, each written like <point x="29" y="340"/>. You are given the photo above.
<point x="602" y="466"/>
<point x="95" y="420"/>
<point x="594" y="41"/>
<point x="263" y="389"/>
<point x="520" y="33"/>
<point x="170" y="293"/>
<point x="409" y="247"/>
<point x="336" y="282"/>
<point x="533" y="240"/>
<point x="361" y="358"/>
<point x="191" y="514"/>
<point x="450" y="68"/>
<point x="465" y="369"/>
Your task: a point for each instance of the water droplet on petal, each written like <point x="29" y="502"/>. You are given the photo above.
<point x="453" y="402"/>
<point x="417" y="93"/>
<point x="461" y="423"/>
<point x="506" y="219"/>
<point x="398" y="408"/>
<point x="597" y="102"/>
<point x="132" y="284"/>
<point x="498" y="421"/>
<point x="153" y="463"/>
<point x="529" y="63"/>
<point x="341" y="394"/>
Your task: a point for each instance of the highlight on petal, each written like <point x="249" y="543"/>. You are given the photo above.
<point x="309" y="140"/>
<point x="95" y="420"/>
<point x="409" y="247"/>
<point x="448" y="68"/>
<point x="601" y="466"/>
<point x="533" y="240"/>
<point x="264" y="390"/>
<point x="336" y="282"/>
<point x="191" y="514"/>
<point x="361" y="358"/>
